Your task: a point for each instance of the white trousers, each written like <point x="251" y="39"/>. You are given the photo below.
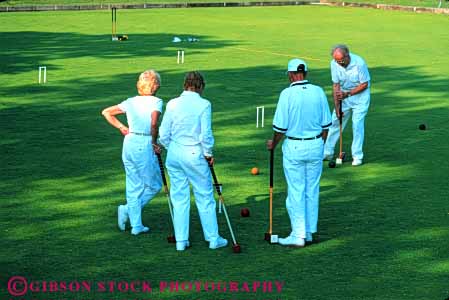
<point x="186" y="165"/>
<point x="143" y="177"/>
<point x="357" y="106"/>
<point x="303" y="165"/>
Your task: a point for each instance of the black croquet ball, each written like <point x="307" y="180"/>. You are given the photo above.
<point x="422" y="126"/>
<point x="332" y="164"/>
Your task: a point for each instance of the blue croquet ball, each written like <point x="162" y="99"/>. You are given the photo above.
<point x="332" y="164"/>
<point x="422" y="126"/>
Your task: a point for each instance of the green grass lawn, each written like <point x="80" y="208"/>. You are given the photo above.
<point x="421" y="3"/>
<point x="384" y="226"/>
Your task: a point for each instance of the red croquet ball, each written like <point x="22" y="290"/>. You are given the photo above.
<point x="244" y="212"/>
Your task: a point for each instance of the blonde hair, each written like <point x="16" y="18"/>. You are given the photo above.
<point x="148" y="83"/>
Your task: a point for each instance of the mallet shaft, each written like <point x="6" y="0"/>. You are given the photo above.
<point x="270" y="230"/>
<point x="217" y="188"/>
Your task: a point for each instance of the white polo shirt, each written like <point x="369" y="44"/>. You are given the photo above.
<point x="138" y="111"/>
<point x="302" y="111"/>
<point x="351" y="76"/>
<point x="187" y="121"/>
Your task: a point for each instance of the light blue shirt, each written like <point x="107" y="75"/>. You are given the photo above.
<point x="138" y="111"/>
<point x="302" y="111"/>
<point x="351" y="76"/>
<point x="187" y="121"/>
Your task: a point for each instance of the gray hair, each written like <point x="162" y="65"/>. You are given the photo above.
<point x="342" y="47"/>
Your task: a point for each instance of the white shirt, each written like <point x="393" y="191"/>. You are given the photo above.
<point x="187" y="121"/>
<point x="302" y="111"/>
<point x="138" y="111"/>
<point x="351" y="76"/>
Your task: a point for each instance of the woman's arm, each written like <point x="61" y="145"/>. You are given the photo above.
<point x="110" y="115"/>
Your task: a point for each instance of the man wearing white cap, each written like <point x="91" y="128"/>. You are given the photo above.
<point x="303" y="117"/>
<point x="351" y="89"/>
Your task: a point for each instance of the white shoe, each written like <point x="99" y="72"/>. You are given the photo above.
<point x="218" y="243"/>
<point x="356" y="162"/>
<point x="328" y="157"/>
<point x="292" y="241"/>
<point x="181" y="246"/>
<point x="139" y="230"/>
<point x="122" y="217"/>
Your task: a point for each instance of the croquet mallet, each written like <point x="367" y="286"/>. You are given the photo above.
<point x="342" y="154"/>
<point x="269" y="236"/>
<point x="235" y="246"/>
<point x="171" y="238"/>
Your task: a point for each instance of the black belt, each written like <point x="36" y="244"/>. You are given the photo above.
<point x="305" y="139"/>
<point x="139" y="133"/>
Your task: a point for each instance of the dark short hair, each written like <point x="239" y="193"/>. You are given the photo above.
<point x="300" y="69"/>
<point x="194" y="81"/>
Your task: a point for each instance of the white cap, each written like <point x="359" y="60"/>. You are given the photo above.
<point x="295" y="63"/>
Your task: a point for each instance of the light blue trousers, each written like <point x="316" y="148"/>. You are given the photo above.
<point x="143" y="177"/>
<point x="357" y="106"/>
<point x="303" y="165"/>
<point x="186" y="165"/>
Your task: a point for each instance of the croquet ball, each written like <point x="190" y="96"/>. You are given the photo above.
<point x="244" y="212"/>
<point x="422" y="126"/>
<point x="332" y="164"/>
<point x="255" y="171"/>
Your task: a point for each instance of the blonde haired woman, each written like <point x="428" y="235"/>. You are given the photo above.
<point x="143" y="179"/>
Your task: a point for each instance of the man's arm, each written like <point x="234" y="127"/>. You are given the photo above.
<point x="277" y="137"/>
<point x="358" y="89"/>
<point x="324" y="134"/>
<point x="338" y="96"/>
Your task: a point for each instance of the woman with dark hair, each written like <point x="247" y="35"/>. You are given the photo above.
<point x="186" y="133"/>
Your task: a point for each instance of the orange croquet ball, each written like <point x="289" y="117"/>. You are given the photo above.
<point x="255" y="171"/>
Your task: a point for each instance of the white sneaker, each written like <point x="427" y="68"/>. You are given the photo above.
<point x="356" y="162"/>
<point x="122" y="217"/>
<point x="139" y="230"/>
<point x="181" y="246"/>
<point x="292" y="241"/>
<point x="218" y="243"/>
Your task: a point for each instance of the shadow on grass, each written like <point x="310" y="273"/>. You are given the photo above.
<point x="17" y="56"/>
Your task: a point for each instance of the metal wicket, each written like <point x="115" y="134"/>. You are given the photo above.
<point x="180" y="56"/>
<point x="114" y="23"/>
<point x="260" y="109"/>
<point x="43" y="71"/>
